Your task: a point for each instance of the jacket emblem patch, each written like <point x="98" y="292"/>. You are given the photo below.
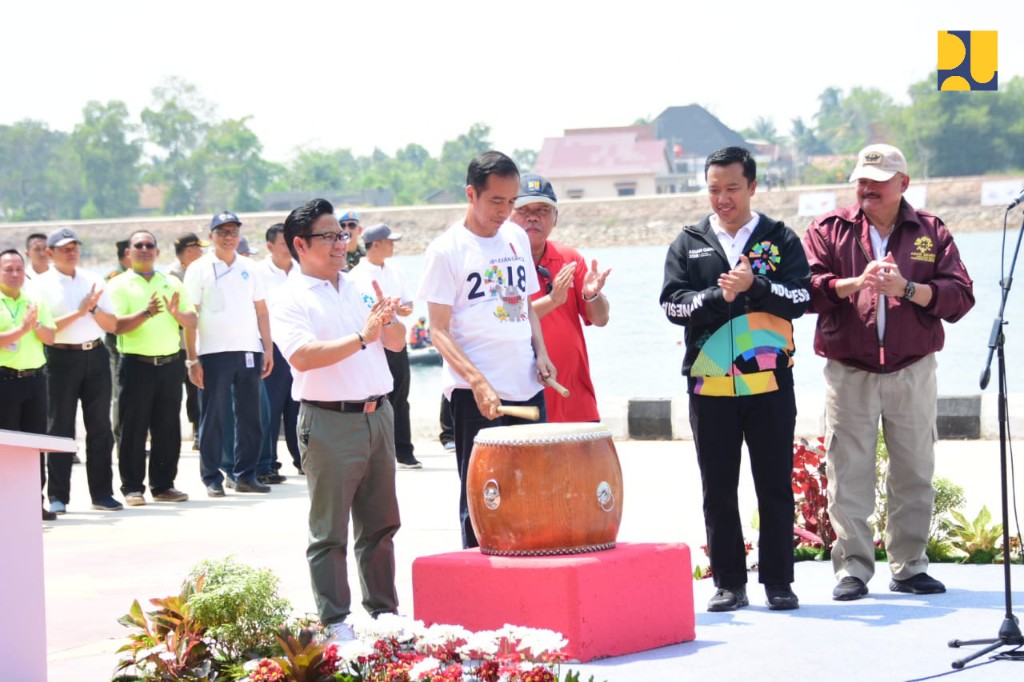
<point x="764" y="257"/>
<point x="924" y="250"/>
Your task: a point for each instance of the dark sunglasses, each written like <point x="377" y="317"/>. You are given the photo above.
<point x="351" y="225"/>
<point x="144" y="246"/>
<point x="546" y="274"/>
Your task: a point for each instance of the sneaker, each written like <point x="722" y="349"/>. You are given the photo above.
<point x="48" y="515"/>
<point x="409" y="462"/>
<point x="58" y="507"/>
<point x="449" y="445"/>
<point x="781" y="598"/>
<point x="922" y="583"/>
<point x="849" y="588"/>
<point x="215" y="490"/>
<point x="135" y="499"/>
<point x="107" y="504"/>
<point x="340" y="632"/>
<point x="271" y="479"/>
<point x="170" y="495"/>
<point x="729" y="599"/>
<point x="229" y="482"/>
<point x="250" y="486"/>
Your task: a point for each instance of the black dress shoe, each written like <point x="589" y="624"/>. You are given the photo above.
<point x="251" y="486"/>
<point x="781" y="598"/>
<point x="271" y="479"/>
<point x="215" y="490"/>
<point x="922" y="583"/>
<point x="729" y="599"/>
<point x="849" y="588"/>
<point x="49" y="515"/>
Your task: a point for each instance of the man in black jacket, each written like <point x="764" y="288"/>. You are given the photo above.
<point x="736" y="281"/>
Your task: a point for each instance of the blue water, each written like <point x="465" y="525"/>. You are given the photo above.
<point x="639" y="353"/>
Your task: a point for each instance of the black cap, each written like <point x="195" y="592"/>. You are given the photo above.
<point x="535" y="189"/>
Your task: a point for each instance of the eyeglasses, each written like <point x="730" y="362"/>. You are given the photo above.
<point x="539" y="211"/>
<point x="229" y="232"/>
<point x="330" y="238"/>
<point x="144" y="246"/>
<point x="350" y="224"/>
<point x="546" y="274"/>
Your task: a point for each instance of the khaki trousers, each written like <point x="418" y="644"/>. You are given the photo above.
<point x="906" y="403"/>
<point x="349" y="460"/>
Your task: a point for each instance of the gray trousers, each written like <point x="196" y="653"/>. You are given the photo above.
<point x="349" y="460"/>
<point x="906" y="403"/>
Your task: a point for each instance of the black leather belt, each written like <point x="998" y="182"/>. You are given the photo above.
<point x="10" y="373"/>
<point x="156" y="360"/>
<point x="369" y="405"/>
<point x="78" y="346"/>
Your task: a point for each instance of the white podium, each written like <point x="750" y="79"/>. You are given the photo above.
<point x="22" y="599"/>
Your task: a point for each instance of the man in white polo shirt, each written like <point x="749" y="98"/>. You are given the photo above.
<point x="335" y="347"/>
<point x="78" y="371"/>
<point x="230" y="349"/>
<point x="380" y="245"/>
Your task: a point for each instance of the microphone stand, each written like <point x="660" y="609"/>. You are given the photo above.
<point x="1009" y="631"/>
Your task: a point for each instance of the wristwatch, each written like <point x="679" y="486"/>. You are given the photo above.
<point x="189" y="364"/>
<point x="909" y="292"/>
<point x="92" y="311"/>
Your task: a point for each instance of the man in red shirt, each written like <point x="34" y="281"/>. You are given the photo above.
<point x="569" y="293"/>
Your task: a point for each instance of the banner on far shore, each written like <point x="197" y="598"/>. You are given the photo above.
<point x="1000" y="192"/>
<point x="816" y="203"/>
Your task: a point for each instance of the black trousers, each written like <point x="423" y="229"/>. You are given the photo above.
<point x="191" y="398"/>
<point x="23" y="408"/>
<point x="398" y="363"/>
<point x="447" y="434"/>
<point x="720" y="425"/>
<point x="73" y="376"/>
<point x="150" y="406"/>
<point x="468" y="422"/>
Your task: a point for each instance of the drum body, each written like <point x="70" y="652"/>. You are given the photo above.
<point x="544" y="489"/>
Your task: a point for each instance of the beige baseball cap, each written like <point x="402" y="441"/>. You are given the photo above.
<point x="879" y="162"/>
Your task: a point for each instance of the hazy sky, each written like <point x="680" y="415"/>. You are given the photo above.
<point x="378" y="73"/>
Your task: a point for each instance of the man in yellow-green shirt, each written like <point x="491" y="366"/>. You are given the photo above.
<point x="25" y="325"/>
<point x="149" y="306"/>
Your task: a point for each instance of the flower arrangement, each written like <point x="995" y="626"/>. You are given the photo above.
<point x="398" y="649"/>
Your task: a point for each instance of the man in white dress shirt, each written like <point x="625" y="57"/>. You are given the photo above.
<point x="275" y="270"/>
<point x="380" y="245"/>
<point x="78" y="371"/>
<point x="229" y="352"/>
<point x="335" y="347"/>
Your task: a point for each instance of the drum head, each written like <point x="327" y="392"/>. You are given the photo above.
<point x="525" y="434"/>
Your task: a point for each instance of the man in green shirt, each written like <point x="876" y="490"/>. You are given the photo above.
<point x="150" y="307"/>
<point x="25" y="325"/>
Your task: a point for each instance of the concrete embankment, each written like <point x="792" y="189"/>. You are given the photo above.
<point x="584" y="223"/>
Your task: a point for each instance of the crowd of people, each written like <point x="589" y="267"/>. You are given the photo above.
<point x="312" y="336"/>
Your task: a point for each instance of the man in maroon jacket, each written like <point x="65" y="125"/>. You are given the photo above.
<point x="883" y="278"/>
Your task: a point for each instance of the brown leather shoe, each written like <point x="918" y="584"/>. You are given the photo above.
<point x="170" y="495"/>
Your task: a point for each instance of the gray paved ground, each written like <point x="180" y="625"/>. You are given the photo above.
<point x="97" y="563"/>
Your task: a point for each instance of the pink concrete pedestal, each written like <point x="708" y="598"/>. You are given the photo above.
<point x="631" y="598"/>
<point x="22" y="600"/>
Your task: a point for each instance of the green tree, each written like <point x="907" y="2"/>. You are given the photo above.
<point x="177" y="125"/>
<point x="237" y="174"/>
<point x="848" y="123"/>
<point x="40" y="176"/>
<point x="456" y="155"/>
<point x="525" y="159"/>
<point x="763" y="129"/>
<point x="806" y="141"/>
<point x="109" y="158"/>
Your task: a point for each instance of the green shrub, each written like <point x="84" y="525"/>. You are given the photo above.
<point x="240" y="607"/>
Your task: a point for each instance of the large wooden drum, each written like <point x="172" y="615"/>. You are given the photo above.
<point x="544" y="489"/>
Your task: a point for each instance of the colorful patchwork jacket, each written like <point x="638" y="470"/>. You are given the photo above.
<point x="744" y="347"/>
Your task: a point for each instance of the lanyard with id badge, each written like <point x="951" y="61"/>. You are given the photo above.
<point x="13" y="345"/>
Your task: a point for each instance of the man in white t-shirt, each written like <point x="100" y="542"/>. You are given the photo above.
<point x="380" y="245"/>
<point x="229" y="352"/>
<point x="335" y="346"/>
<point x="38" y="258"/>
<point x="78" y="370"/>
<point x="477" y="283"/>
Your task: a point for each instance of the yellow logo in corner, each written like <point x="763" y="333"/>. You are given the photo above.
<point x="968" y="60"/>
<point x="924" y="250"/>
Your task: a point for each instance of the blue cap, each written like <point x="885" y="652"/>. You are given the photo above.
<point x="535" y="189"/>
<point x="349" y="214"/>
<point x="224" y="218"/>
